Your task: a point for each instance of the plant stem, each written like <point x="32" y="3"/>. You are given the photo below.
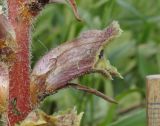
<point x="19" y="96"/>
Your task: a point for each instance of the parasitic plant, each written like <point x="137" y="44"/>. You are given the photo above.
<point x="22" y="89"/>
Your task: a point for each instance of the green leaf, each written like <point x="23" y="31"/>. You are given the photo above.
<point x="137" y="118"/>
<point x="129" y="7"/>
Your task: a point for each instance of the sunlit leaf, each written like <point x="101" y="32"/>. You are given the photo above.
<point x="39" y="118"/>
<point x="69" y="118"/>
<point x="4" y="87"/>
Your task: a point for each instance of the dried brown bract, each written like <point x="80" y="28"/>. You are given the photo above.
<point x="8" y="45"/>
<point x="39" y="118"/>
<point x="70" y="60"/>
<point x="33" y="7"/>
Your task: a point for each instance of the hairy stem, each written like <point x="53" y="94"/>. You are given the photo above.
<point x="19" y="96"/>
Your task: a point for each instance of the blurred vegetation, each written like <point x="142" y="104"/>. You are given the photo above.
<point x="136" y="54"/>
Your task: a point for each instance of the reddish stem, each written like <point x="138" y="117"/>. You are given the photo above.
<point x="19" y="96"/>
